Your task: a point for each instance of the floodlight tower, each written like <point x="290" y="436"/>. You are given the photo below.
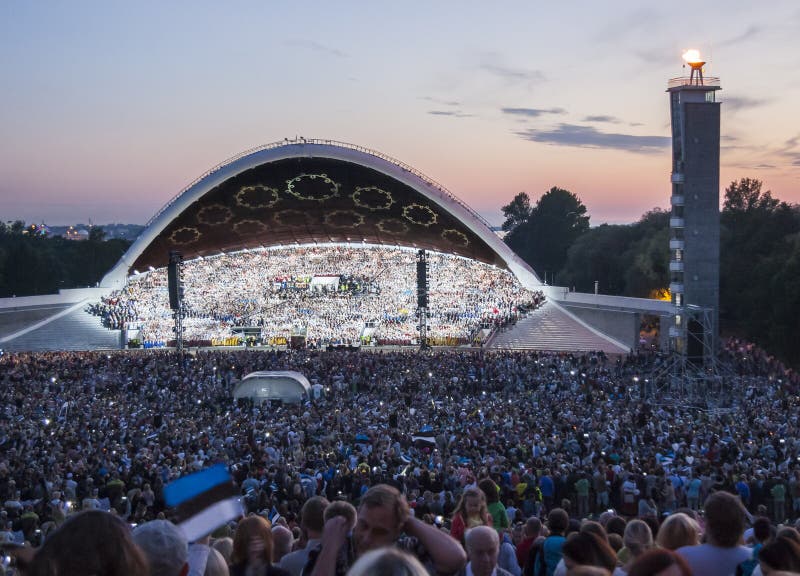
<point x="694" y="222"/>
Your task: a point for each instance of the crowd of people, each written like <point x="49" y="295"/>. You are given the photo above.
<point x="331" y="295"/>
<point x="107" y="431"/>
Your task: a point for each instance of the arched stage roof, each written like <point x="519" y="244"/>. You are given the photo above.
<point x="314" y="191"/>
<point x="287" y="385"/>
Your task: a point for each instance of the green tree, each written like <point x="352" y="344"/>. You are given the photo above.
<point x="758" y="267"/>
<point x="555" y="223"/>
<point x="647" y="258"/>
<point x="517" y="211"/>
<point x="598" y="256"/>
<point x="97" y="234"/>
<point x="746" y="196"/>
<point x="628" y="260"/>
<point x="31" y="265"/>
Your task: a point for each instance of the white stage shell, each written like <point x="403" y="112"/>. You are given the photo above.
<point x="287" y="386"/>
<point x="116" y="278"/>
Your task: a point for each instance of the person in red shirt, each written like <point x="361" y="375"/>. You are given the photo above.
<point x="533" y="528"/>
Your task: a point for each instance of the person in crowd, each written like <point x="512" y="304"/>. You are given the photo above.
<point x="312" y="522"/>
<point x="387" y="561"/>
<point x="638" y="539"/>
<point x="90" y="542"/>
<point x="660" y="562"/>
<point x="548" y="555"/>
<point x="724" y="527"/>
<point x="215" y="564"/>
<point x="678" y="530"/>
<point x="780" y="555"/>
<point x="587" y="549"/>
<point x="507" y="556"/>
<point x="204" y="560"/>
<point x="165" y="547"/>
<point x="532" y="532"/>
<point x="345" y="556"/>
<point x="383" y="517"/>
<point x="224" y="546"/>
<point x="493" y="504"/>
<point x="483" y="546"/>
<point x="282" y="540"/>
<point x="471" y="510"/>
<point x="252" y="549"/>
<point x="582" y="492"/>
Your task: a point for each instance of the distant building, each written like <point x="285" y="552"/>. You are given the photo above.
<point x="76" y="234"/>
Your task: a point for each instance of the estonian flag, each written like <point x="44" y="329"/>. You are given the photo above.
<point x="274" y="515"/>
<point x="203" y="501"/>
<point x="424" y="436"/>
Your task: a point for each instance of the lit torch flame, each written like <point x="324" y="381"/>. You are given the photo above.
<point x="692" y="56"/>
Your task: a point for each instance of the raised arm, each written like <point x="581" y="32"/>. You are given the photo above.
<point x="446" y="552"/>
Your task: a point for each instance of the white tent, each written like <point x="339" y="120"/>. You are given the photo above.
<point x="288" y="386"/>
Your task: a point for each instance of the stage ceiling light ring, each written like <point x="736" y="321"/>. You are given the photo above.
<point x="214" y="215"/>
<point x="420" y="215"/>
<point x="373" y="191"/>
<point x="344" y="219"/>
<point x="291" y="217"/>
<point x="185" y="235"/>
<point x="455" y="237"/>
<point x="293" y="185"/>
<point x="392" y="226"/>
<point x="247" y="196"/>
<point x="257" y="227"/>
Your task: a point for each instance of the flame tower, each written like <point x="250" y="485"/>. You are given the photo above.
<point x="694" y="222"/>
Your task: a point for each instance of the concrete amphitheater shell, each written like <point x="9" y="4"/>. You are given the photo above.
<point x="302" y="191"/>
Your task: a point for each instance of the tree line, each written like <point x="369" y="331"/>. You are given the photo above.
<point x="33" y="264"/>
<point x="759" y="257"/>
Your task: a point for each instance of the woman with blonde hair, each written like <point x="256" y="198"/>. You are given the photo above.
<point x="470" y="511"/>
<point x="678" y="530"/>
<point x="638" y="539"/>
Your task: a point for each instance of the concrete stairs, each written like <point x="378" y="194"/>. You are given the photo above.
<point x="13" y="320"/>
<point x="554" y="329"/>
<point x="69" y="329"/>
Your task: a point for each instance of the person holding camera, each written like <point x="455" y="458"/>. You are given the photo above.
<point x="384" y="520"/>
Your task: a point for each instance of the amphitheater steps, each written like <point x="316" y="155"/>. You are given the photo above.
<point x="551" y="328"/>
<point x="73" y="329"/>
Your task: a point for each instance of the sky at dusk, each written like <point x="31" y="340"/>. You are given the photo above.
<point x="110" y="108"/>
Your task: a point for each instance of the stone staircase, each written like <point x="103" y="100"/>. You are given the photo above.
<point x="552" y="328"/>
<point x="69" y="329"/>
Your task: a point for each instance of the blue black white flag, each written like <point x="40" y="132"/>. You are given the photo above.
<point x="274" y="515"/>
<point x="203" y="501"/>
<point x="424" y="436"/>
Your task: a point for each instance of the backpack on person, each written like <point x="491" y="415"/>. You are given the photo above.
<point x="747" y="567"/>
<point x="536" y="549"/>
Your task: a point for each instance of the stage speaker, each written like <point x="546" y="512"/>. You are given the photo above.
<point x="694" y="342"/>
<point x="422" y="284"/>
<point x="174" y="280"/>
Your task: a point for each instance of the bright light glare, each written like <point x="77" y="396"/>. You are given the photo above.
<point x="692" y="56"/>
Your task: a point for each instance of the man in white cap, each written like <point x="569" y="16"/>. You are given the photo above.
<point x="165" y="547"/>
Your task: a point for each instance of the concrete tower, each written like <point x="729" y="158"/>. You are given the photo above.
<point x="694" y="224"/>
